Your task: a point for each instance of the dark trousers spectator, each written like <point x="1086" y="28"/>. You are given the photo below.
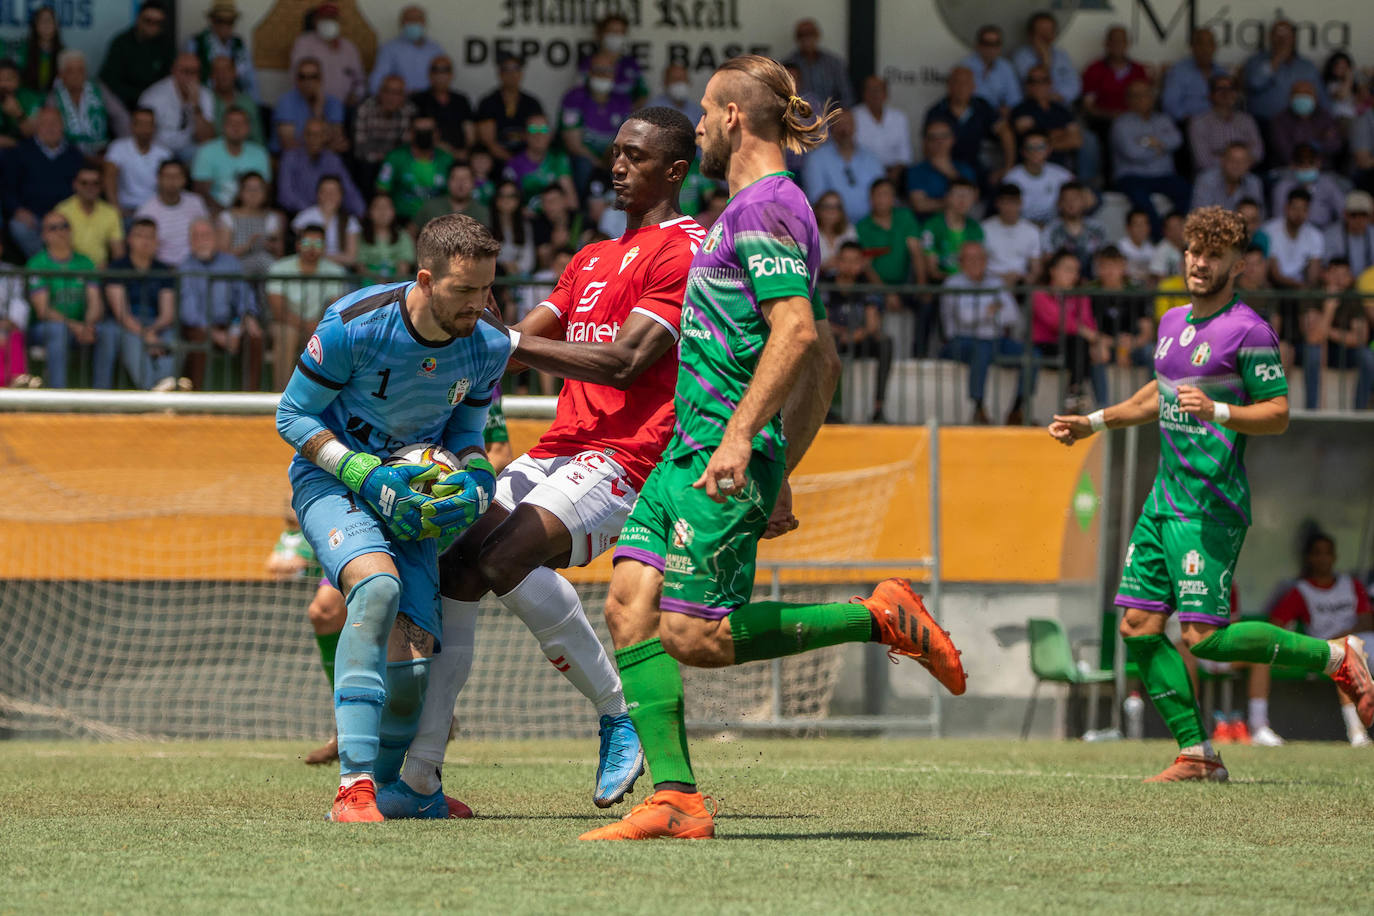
<point x="875" y="347"/>
<point x="1078" y="360"/>
<point x="979" y="354"/>
<point x="1138" y="189"/>
<point x="1316" y="356"/>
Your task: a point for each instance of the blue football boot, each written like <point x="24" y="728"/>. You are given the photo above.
<point x="398" y="800"/>
<point x="621" y="760"/>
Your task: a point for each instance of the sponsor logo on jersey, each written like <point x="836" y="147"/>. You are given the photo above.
<point x="1187" y="336"/>
<point x="591" y="294"/>
<point x="428" y="365"/>
<point x="1170" y="412"/>
<point x="1201" y="354"/>
<point x="712" y="240"/>
<point x="682" y="534"/>
<point x="1130" y="554"/>
<point x="458" y="390"/>
<point x="591" y="262"/>
<point x="1268" y="372"/>
<point x="1192" y="563"/>
<point x="335" y="538"/>
<point x="628" y="259"/>
<point x="315" y="349"/>
<point x="591" y="332"/>
<point x="765" y="266"/>
<point x="1193" y="587"/>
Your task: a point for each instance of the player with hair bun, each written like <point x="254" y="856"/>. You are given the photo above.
<point x="1218" y="381"/>
<point x="756" y="358"/>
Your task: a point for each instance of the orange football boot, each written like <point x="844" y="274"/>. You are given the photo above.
<point x="906" y="627"/>
<point x="1354" y="680"/>
<point x="1190" y="768"/>
<point x="667" y="814"/>
<point x="356" y="804"/>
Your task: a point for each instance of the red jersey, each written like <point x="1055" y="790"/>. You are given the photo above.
<point x="1323" y="612"/>
<point x="643" y="272"/>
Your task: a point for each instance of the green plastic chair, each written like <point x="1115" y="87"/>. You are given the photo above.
<point x="1052" y="659"/>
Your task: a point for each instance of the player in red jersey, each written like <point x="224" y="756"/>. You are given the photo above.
<point x="610" y="328"/>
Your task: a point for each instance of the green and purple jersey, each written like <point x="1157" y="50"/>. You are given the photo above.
<point x="764" y="246"/>
<point x="1232" y="356"/>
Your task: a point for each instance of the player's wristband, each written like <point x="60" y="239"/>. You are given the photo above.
<point x="514" y="339"/>
<point x="1098" y="420"/>
<point x="1221" y="412"/>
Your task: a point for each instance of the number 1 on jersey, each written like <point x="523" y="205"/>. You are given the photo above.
<point x="380" y="393"/>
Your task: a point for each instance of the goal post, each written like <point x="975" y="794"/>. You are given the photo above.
<point x="136" y="602"/>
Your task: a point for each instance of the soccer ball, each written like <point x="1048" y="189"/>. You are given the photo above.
<point x="426" y="453"/>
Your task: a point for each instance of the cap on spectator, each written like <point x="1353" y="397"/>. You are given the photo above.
<point x="223" y="8"/>
<point x="1359" y="202"/>
<point x="328" y="10"/>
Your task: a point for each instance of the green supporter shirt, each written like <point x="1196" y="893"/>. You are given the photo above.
<point x="888" y="247"/>
<point x="411" y="182"/>
<point x="383" y="259"/>
<point x="1232" y="356"/>
<point x="943" y="242"/>
<point x="764" y="246"/>
<point x="29" y="102"/>
<point x="66" y="295"/>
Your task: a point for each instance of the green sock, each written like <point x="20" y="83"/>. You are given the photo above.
<point x="1257" y="641"/>
<point x="329" y="643"/>
<point x="772" y="629"/>
<point x="653" y="691"/>
<point x="1166" y="680"/>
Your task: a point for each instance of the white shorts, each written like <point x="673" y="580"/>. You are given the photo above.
<point x="588" y="492"/>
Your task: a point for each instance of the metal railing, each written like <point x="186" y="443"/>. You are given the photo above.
<point x="920" y="366"/>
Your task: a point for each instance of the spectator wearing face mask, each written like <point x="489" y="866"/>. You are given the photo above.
<point x="416" y="173"/>
<point x="339" y="60"/>
<point x="591" y="115"/>
<point x="677" y="93"/>
<point x="1304" y="121"/>
<point x="408" y="55"/>
<point x="611" y="38"/>
<point x="1327" y="197"/>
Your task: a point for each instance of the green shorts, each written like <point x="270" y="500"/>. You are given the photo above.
<point x="704" y="549"/>
<point x="1183" y="566"/>
<point x="495" y="430"/>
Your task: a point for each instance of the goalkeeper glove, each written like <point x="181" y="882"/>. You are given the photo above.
<point x="389" y="490"/>
<point x="460" y="498"/>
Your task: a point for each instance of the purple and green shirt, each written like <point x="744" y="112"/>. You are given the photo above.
<point x="764" y="246"/>
<point x="1232" y="356"/>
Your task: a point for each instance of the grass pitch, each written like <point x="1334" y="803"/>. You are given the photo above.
<point x="822" y="825"/>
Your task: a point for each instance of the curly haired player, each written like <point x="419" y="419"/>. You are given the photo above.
<point x="1218" y="381"/>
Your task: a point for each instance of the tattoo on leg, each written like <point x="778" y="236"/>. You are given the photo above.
<point x="419" y="640"/>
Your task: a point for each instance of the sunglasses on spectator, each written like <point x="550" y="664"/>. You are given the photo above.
<point x="939" y="135"/>
<point x="154" y="19"/>
<point x="509" y="195"/>
<point x="57" y="227"/>
<point x="441" y="69"/>
<point x="1034" y="80"/>
<point x="538" y="128"/>
<point x="311" y="75"/>
<point x="224" y="20"/>
<point x="316" y="244"/>
<point x="990" y="42"/>
<point x="88" y="182"/>
<point x="1035" y="147"/>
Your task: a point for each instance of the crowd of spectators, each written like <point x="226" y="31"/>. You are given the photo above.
<point x="231" y="220"/>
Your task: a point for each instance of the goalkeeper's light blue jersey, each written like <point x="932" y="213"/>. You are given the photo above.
<point x="389" y="386"/>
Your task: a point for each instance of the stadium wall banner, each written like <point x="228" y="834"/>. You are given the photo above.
<point x="551" y="34"/>
<point x="196" y="497"/>
<point x="918" y="41"/>
<point x="87" y="25"/>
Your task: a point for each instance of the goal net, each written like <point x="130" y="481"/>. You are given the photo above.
<point x="135" y="600"/>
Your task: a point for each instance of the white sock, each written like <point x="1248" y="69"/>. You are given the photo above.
<point x="348" y="779"/>
<point x="1337" y="656"/>
<point x="1204" y="749"/>
<point x="448" y="672"/>
<point x="549" y="606"/>
<point x="1259" y="713"/>
<point x="1353" y="725"/>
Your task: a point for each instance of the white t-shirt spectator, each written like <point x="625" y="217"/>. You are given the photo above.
<point x="1139" y="259"/>
<point x="137" y="171"/>
<point x="333" y="245"/>
<point x="1010" y="248"/>
<point x="1039" y="193"/>
<point x="889" y="139"/>
<point x="175" y="129"/>
<point x="981" y="315"/>
<point x="174" y="224"/>
<point x="1168" y="260"/>
<point x="1292" y="254"/>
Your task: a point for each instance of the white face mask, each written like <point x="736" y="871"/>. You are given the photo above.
<point x="599" y="85"/>
<point x="678" y="92"/>
<point x="328" y="29"/>
<point x="613" y="42"/>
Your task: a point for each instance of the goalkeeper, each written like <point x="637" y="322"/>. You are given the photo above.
<point x="391" y="365"/>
